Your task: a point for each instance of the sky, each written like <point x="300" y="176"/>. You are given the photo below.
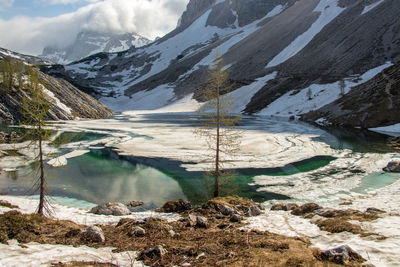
<point x="27" y="26"/>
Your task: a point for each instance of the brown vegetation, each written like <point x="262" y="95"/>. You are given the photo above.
<point x="222" y="243"/>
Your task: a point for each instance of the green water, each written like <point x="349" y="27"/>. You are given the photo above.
<point x="375" y="181"/>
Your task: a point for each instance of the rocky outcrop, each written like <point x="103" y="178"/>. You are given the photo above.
<point x="177" y="205"/>
<point x="67" y="102"/>
<point x="371" y="104"/>
<point x="341" y="255"/>
<point x="93" y="234"/>
<point x="116" y="209"/>
<point x="393" y="166"/>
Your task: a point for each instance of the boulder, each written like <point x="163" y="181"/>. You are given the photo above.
<point x="93" y="234"/>
<point x="226" y="210"/>
<point x="177" y="205"/>
<point x="157" y="251"/>
<point x="284" y="206"/>
<point x="138" y="231"/>
<point x="198" y="221"/>
<point x="393" y="166"/>
<point x="236" y="218"/>
<point x="117" y="209"/>
<point x="306" y="208"/>
<point x="133" y="204"/>
<point x="341" y="255"/>
<point x="254" y="211"/>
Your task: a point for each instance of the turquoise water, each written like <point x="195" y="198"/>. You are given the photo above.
<point x="375" y="181"/>
<point x="102" y="176"/>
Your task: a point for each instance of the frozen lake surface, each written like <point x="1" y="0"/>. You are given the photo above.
<point x="155" y="157"/>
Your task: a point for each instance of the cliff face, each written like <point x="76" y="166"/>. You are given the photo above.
<point x="67" y="102"/>
<point x="376" y="102"/>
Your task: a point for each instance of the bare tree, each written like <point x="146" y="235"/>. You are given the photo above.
<point x="34" y="108"/>
<point x="219" y="121"/>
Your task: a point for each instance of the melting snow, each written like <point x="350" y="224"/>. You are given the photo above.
<point x="393" y="130"/>
<point x="329" y="10"/>
<point x="315" y="96"/>
<point x="371" y="6"/>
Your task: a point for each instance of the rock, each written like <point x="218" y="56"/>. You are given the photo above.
<point x="177" y="205"/>
<point x="198" y="221"/>
<point x="138" y="231"/>
<point x="157" y="251"/>
<point x="393" y="166"/>
<point x="306" y="208"/>
<point x="374" y="210"/>
<point x="226" y="210"/>
<point x="117" y="209"/>
<point x="341" y="255"/>
<point x="93" y="234"/>
<point x="201" y="222"/>
<point x="236" y="218"/>
<point x="284" y="206"/>
<point x="254" y="211"/>
<point x="133" y="204"/>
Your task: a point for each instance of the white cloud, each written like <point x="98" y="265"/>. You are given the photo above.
<point x="6" y="3"/>
<point x="66" y="2"/>
<point x="148" y="18"/>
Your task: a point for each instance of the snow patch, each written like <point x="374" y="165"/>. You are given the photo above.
<point x="57" y="101"/>
<point x="315" y="96"/>
<point x="329" y="10"/>
<point x="143" y="100"/>
<point x="371" y="6"/>
<point x="242" y="96"/>
<point x="393" y="130"/>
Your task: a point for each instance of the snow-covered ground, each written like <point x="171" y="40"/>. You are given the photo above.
<point x="393" y="130"/>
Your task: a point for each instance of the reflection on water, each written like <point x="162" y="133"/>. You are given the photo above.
<point x="96" y="179"/>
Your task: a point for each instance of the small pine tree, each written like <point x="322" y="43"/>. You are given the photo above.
<point x="342" y="86"/>
<point x="309" y="94"/>
<point x="219" y="121"/>
<point x="34" y="108"/>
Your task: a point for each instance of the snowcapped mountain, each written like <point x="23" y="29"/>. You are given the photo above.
<point x="285" y="57"/>
<point x="88" y="43"/>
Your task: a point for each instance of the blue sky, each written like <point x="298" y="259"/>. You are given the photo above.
<point x="27" y="26"/>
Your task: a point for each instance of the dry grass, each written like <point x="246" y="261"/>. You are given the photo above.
<point x="221" y="244"/>
<point x="83" y="264"/>
<point x="7" y="204"/>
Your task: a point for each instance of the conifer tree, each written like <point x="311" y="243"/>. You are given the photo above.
<point x="34" y="108"/>
<point x="219" y="121"/>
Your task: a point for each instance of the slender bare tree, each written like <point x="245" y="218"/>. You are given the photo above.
<point x="219" y="122"/>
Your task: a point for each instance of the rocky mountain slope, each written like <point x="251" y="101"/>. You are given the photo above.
<point x="285" y="57"/>
<point x="67" y="102"/>
<point x="26" y="58"/>
<point x="376" y="102"/>
<point x="89" y="42"/>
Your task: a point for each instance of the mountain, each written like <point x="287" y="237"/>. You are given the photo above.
<point x="89" y="42"/>
<point x="26" y="58"/>
<point x="285" y="57"/>
<point x="67" y="102"/>
<point x="375" y="102"/>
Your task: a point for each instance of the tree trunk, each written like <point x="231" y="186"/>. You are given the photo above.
<point x="42" y="181"/>
<point x="216" y="182"/>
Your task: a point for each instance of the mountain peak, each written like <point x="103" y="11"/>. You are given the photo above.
<point x="90" y="42"/>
